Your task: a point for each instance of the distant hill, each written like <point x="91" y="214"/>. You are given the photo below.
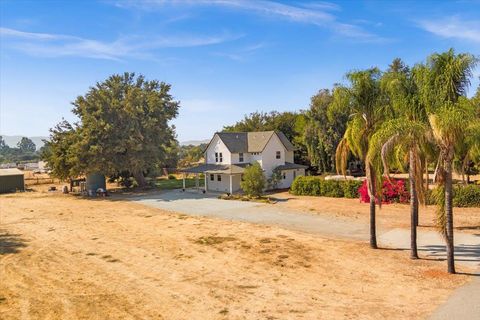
<point x="12" y="141"/>
<point x="194" y="142"/>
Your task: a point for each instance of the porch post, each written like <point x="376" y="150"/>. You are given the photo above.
<point x="205" y="176"/>
<point x="231" y="184"/>
<point x="183" y="177"/>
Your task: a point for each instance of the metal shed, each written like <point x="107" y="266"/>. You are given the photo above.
<point x="11" y="180"/>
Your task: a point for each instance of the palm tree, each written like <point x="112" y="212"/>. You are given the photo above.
<point x="403" y="137"/>
<point x="364" y="99"/>
<point x="443" y="82"/>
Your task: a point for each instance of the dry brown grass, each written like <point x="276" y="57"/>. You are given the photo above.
<point x="72" y="258"/>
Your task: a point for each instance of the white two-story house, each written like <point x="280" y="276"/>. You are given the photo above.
<point x="229" y="153"/>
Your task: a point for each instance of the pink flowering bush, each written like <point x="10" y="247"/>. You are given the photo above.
<point x="393" y="191"/>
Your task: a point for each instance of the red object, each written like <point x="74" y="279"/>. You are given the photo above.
<point x="393" y="191"/>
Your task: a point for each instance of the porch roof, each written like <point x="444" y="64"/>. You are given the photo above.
<point x="290" y="166"/>
<point x="217" y="168"/>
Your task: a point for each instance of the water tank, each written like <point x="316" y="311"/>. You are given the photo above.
<point x="94" y="181"/>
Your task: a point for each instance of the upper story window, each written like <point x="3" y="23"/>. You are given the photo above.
<point x="255" y="153"/>
<point x="278" y="155"/>
<point x="240" y="157"/>
<point x="218" y="157"/>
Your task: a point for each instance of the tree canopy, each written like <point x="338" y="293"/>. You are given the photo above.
<point x="124" y="126"/>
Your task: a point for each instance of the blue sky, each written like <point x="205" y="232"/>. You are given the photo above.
<point x="223" y="58"/>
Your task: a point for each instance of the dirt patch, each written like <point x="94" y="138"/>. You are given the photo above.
<point x="104" y="260"/>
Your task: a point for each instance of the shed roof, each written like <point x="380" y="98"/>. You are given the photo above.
<point x="11" y="172"/>
<point x="252" y="141"/>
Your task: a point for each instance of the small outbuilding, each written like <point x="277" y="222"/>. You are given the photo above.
<point x="95" y="181"/>
<point x="11" y="180"/>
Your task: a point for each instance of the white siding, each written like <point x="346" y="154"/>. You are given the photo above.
<point x="217" y="145"/>
<point x="247" y="158"/>
<point x="289" y="177"/>
<point x="224" y="185"/>
<point x="289" y="156"/>
<point x="269" y="160"/>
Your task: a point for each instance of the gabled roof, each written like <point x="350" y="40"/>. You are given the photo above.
<point x="251" y="141"/>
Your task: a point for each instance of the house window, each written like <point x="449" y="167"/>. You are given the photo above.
<point x="278" y="155"/>
<point x="219" y="177"/>
<point x="284" y="176"/>
<point x="255" y="153"/>
<point x="240" y="157"/>
<point x="216" y="156"/>
<point x="212" y="177"/>
<point x="220" y="157"/>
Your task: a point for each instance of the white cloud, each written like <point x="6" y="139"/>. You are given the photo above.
<point x="453" y="28"/>
<point x="310" y="13"/>
<point x="57" y="45"/>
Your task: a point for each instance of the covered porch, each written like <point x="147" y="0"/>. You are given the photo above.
<point x="216" y="177"/>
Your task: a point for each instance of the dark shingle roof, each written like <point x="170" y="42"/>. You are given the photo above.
<point x="290" y="166"/>
<point x="235" y="141"/>
<point x="217" y="168"/>
<point x="252" y="141"/>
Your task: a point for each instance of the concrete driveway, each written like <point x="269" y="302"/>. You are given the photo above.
<point x="463" y="304"/>
<point x="430" y="243"/>
<point x="208" y="205"/>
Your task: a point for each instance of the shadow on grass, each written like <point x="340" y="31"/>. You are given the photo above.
<point x="10" y="243"/>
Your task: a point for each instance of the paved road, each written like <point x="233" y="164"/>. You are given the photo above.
<point x="464" y="302"/>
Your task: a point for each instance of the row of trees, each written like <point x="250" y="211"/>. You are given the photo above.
<point x="26" y="150"/>
<point x="405" y="118"/>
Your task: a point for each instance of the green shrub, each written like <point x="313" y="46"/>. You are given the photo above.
<point x="463" y="196"/>
<point x="253" y="181"/>
<point x="317" y="186"/>
<point x="331" y="188"/>
<point x="171" y="177"/>
<point x="350" y="188"/>
<point x="466" y="196"/>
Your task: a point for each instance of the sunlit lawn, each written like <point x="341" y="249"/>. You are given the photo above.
<point x="175" y="183"/>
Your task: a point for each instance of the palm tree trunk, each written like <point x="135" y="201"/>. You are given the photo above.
<point x="426" y="179"/>
<point x="449" y="216"/>
<point x="372" y="193"/>
<point x="373" y="231"/>
<point x="413" y="206"/>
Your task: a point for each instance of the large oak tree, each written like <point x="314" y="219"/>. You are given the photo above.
<point x="124" y="127"/>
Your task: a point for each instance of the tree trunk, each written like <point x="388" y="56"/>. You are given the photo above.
<point x="140" y="178"/>
<point x="371" y="188"/>
<point x="373" y="231"/>
<point x="413" y="206"/>
<point x="426" y="180"/>
<point x="449" y="216"/>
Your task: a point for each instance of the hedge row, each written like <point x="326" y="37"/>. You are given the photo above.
<point x="463" y="196"/>
<point x="317" y="186"/>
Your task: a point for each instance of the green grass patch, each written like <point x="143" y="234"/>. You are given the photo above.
<point x="168" y="184"/>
